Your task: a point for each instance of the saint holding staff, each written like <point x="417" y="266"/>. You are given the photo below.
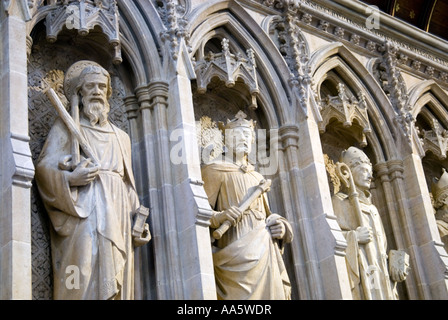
<point x="372" y="272"/>
<point x="89" y="192"/>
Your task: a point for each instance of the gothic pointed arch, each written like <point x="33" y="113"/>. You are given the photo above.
<point x="225" y="29"/>
<point x="229" y="19"/>
<point x="132" y="63"/>
<point x="342" y="82"/>
<point x="335" y="66"/>
<point x="428" y="103"/>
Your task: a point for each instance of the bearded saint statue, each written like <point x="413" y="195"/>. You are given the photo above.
<point x="92" y="203"/>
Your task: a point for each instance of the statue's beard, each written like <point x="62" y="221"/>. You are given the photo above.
<point x="96" y="111"/>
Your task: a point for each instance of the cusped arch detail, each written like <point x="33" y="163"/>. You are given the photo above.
<point x="425" y="91"/>
<point x="136" y="42"/>
<point x="338" y="57"/>
<point x="271" y="66"/>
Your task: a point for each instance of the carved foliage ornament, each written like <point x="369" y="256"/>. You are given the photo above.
<point x="172" y="13"/>
<point x="210" y="139"/>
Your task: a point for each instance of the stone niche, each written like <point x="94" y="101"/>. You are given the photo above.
<point x="48" y="62"/>
<point x="217" y="99"/>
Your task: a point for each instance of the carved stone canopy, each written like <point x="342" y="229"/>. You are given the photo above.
<point x="83" y="16"/>
<point x="229" y="68"/>
<point x="346" y="110"/>
<point x="435" y="140"/>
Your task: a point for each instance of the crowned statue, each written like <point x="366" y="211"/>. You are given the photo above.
<point x="248" y="237"/>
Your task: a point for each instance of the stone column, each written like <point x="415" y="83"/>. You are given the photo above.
<point x="180" y="211"/>
<point x="192" y="208"/>
<point x="322" y="239"/>
<point x="423" y="240"/>
<point x="17" y="169"/>
<point x="142" y="259"/>
<point x="153" y="103"/>
<point x="407" y="200"/>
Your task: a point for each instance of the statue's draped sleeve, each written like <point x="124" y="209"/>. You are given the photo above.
<point x="59" y="198"/>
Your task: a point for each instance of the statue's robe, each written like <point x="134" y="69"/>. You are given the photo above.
<point x="91" y="243"/>
<point x="366" y="284"/>
<point x="248" y="263"/>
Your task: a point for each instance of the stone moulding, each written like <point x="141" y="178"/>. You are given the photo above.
<point x="332" y="24"/>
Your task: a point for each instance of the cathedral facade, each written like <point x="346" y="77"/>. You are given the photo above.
<point x="317" y="77"/>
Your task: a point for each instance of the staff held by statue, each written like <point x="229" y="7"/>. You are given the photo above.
<point x="345" y="174"/>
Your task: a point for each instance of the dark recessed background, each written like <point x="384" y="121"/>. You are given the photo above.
<point x="428" y="15"/>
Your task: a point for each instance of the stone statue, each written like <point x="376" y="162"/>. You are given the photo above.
<point x="249" y="239"/>
<point x="366" y="253"/>
<point x="84" y="176"/>
<point x="439" y="191"/>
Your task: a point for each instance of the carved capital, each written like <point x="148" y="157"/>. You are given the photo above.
<point x="389" y="170"/>
<point x="143" y="97"/>
<point x="131" y="106"/>
<point x="154" y="94"/>
<point x="158" y="92"/>
<point x="396" y="169"/>
<point x="289" y="136"/>
<point x="382" y="171"/>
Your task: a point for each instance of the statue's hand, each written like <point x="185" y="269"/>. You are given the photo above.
<point x="398" y="275"/>
<point x="83" y="174"/>
<point x="232" y="214"/>
<point x="144" y="238"/>
<point x="277" y="229"/>
<point x="364" y="234"/>
<point x="398" y="265"/>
